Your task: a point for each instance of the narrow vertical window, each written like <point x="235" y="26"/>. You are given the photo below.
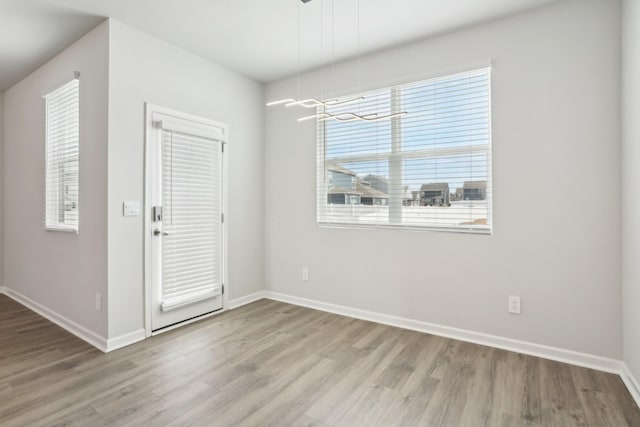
<point x="62" y="151"/>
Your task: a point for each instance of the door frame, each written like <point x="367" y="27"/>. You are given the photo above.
<point x="148" y="224"/>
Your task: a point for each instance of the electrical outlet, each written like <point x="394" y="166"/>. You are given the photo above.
<point x="98" y="302"/>
<point x="305" y="274"/>
<point x="514" y="304"/>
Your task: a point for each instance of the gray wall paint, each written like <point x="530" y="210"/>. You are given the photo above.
<point x="2" y="180"/>
<point x="556" y="106"/>
<point x="61" y="271"/>
<point x="630" y="180"/>
<point x="145" y="69"/>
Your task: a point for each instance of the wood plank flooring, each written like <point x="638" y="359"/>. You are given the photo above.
<point x="274" y="364"/>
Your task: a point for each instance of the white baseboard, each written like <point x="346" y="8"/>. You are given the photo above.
<point x="546" y="352"/>
<point x="126" y="339"/>
<point x="631" y="382"/>
<point x="543" y="351"/>
<point x="247" y="299"/>
<point x="81" y="332"/>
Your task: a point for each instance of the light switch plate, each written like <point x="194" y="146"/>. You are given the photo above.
<point x="130" y="208"/>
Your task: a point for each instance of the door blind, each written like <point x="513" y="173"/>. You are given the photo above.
<point x="62" y="157"/>
<point x="191" y="198"/>
<point x="430" y="168"/>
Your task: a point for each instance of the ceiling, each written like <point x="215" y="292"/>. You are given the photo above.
<point x="258" y="38"/>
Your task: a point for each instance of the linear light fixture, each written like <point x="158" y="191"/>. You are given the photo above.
<point x="313" y="102"/>
<point x="344" y="117"/>
<point x="352" y="117"/>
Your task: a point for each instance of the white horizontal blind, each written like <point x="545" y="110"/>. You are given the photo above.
<point x="430" y="168"/>
<point x="62" y="147"/>
<point x="191" y="199"/>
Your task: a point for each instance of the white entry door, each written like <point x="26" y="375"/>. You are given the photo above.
<point x="186" y="232"/>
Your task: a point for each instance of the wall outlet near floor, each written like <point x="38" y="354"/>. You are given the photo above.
<point x="305" y="274"/>
<point x="99" y="302"/>
<point x="514" y="304"/>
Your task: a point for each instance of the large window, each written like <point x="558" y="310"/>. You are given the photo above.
<point x="430" y="168"/>
<point x="62" y="157"/>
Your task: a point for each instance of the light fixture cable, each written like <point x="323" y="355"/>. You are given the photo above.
<point x="315" y="103"/>
<point x="321" y="49"/>
<point x="298" y="58"/>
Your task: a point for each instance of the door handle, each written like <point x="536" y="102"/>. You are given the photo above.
<point x="157" y="232"/>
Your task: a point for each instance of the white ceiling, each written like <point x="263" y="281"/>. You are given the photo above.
<point x="31" y="34"/>
<point x="258" y="38"/>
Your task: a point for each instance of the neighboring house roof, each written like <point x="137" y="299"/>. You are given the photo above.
<point x="368" y="191"/>
<point x="372" y="177"/>
<point x="436" y="186"/>
<point x="380" y="183"/>
<point x="470" y="185"/>
<point x="342" y="190"/>
<point x="338" y="168"/>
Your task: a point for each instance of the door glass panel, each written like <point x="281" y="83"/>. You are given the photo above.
<point x="191" y="226"/>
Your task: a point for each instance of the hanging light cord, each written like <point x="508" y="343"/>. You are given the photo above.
<point x="298" y="59"/>
<point x="358" y="40"/>
<point x="315" y="103"/>
<point x="321" y="49"/>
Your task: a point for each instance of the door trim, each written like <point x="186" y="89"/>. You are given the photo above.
<point x="147" y="224"/>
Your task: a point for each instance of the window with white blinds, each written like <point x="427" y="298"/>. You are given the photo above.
<point x="427" y="169"/>
<point x="191" y="199"/>
<point x="62" y="149"/>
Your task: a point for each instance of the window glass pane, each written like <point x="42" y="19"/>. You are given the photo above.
<point x="358" y="137"/>
<point x="62" y="157"/>
<point x="429" y="168"/>
<point x="448" y="113"/>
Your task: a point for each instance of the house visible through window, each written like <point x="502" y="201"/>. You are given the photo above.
<point x="62" y="157"/>
<point x="430" y="168"/>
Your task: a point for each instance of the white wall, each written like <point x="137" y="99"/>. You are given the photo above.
<point x="557" y="237"/>
<point x="630" y="180"/>
<point x="145" y="69"/>
<point x="61" y="271"/>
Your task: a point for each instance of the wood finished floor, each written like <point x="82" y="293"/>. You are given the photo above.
<point x="270" y="363"/>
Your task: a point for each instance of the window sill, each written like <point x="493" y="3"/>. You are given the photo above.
<point x="463" y="230"/>
<point x="62" y="229"/>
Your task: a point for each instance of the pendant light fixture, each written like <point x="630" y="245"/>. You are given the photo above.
<point x="324" y="104"/>
<point x="314" y="103"/>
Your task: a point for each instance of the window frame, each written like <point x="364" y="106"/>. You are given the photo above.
<point x="62" y="173"/>
<point x="396" y="151"/>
